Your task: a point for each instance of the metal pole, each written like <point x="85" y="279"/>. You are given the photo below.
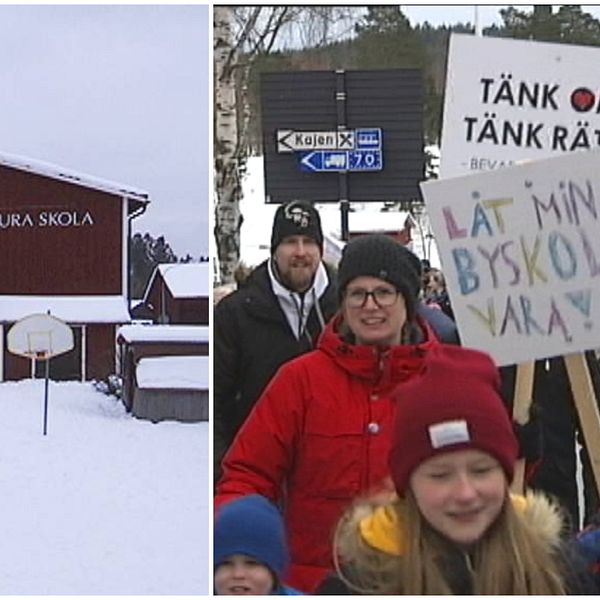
<point x="345" y="209"/>
<point x="340" y="97"/>
<point x="46" y="396"/>
<point x="478" y="31"/>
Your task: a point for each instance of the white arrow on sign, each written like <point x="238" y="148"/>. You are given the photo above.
<point x="283" y="136"/>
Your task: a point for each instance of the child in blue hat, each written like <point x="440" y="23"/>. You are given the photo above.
<point x="250" y="549"/>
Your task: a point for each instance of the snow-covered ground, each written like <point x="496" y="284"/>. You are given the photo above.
<point x="255" y="233"/>
<point x="104" y="503"/>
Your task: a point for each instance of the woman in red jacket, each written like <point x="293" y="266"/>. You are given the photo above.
<point x="320" y="433"/>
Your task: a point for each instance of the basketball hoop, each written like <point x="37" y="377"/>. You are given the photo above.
<point x="40" y="337"/>
<point x="39" y="343"/>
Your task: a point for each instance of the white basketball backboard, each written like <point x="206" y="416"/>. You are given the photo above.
<point x="40" y="336"/>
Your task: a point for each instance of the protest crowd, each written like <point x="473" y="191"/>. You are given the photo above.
<point x="360" y="449"/>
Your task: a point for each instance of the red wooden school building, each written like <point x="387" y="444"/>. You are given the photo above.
<point x="64" y="246"/>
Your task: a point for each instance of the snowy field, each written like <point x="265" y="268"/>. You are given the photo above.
<point x="103" y="504"/>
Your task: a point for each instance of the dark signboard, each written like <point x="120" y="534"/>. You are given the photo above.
<point x="343" y="135"/>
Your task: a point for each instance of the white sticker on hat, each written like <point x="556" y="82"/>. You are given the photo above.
<point x="296" y="214"/>
<point x="448" y="433"/>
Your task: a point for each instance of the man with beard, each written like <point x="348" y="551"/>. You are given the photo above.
<point x="276" y="315"/>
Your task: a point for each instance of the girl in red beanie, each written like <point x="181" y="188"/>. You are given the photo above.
<point x="452" y="527"/>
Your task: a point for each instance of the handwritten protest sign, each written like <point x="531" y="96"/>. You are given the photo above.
<point x="508" y="100"/>
<point x="520" y="249"/>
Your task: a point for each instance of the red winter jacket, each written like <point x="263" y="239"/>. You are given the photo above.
<point x="318" y="437"/>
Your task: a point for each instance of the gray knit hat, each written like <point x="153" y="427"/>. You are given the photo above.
<point x="381" y="256"/>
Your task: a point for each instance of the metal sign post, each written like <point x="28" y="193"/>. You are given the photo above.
<point x="341" y="117"/>
<point x="47" y="378"/>
<point x="40" y="337"/>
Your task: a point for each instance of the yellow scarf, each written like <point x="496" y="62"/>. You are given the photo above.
<point x="384" y="530"/>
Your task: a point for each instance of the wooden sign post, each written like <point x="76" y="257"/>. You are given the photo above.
<point x="585" y="403"/>
<point x="521" y="405"/>
<point x="587" y="408"/>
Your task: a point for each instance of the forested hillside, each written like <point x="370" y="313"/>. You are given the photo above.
<point x="384" y="38"/>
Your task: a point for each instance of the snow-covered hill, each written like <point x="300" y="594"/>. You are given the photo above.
<point x="103" y="504"/>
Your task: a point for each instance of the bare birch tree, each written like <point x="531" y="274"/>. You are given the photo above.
<point x="227" y="183"/>
<point x="240" y="34"/>
<point x="237" y="35"/>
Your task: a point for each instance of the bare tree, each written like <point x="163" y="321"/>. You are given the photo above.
<point x="320" y="25"/>
<point x="236" y="29"/>
<point x="241" y="33"/>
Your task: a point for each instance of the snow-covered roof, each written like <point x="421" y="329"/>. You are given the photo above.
<point x="56" y="172"/>
<point x="164" y="333"/>
<point x="186" y="280"/>
<point x="173" y="372"/>
<point x="373" y="221"/>
<point x="72" y="309"/>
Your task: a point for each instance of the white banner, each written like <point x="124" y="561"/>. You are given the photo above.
<point x="508" y="100"/>
<point x="520" y="250"/>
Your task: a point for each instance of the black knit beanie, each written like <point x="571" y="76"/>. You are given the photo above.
<point x="381" y="256"/>
<point x="296" y="218"/>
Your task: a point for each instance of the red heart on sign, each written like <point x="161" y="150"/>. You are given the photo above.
<point x="582" y="99"/>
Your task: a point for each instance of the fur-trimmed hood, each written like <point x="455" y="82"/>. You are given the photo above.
<point x="372" y="541"/>
<point x="381" y="527"/>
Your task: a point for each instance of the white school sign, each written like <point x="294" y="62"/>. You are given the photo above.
<point x="520" y="249"/>
<point x="509" y="100"/>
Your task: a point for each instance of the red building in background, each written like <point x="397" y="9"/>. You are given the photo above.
<point x="177" y="294"/>
<point x="64" y="248"/>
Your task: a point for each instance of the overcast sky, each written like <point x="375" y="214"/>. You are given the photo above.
<point x="117" y="92"/>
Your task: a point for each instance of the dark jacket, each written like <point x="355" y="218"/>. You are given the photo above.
<point x="318" y="437"/>
<point x="579" y="581"/>
<point x="557" y="471"/>
<point x="252" y="339"/>
<point x="443" y="326"/>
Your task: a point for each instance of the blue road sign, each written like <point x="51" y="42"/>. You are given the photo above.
<point x="365" y="160"/>
<point x="324" y="160"/>
<point x="368" y="138"/>
<point x="341" y="160"/>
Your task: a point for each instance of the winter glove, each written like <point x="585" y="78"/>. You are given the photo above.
<point x="531" y="442"/>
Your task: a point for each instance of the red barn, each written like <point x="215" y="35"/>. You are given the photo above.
<point x="64" y="242"/>
<point x="177" y="293"/>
